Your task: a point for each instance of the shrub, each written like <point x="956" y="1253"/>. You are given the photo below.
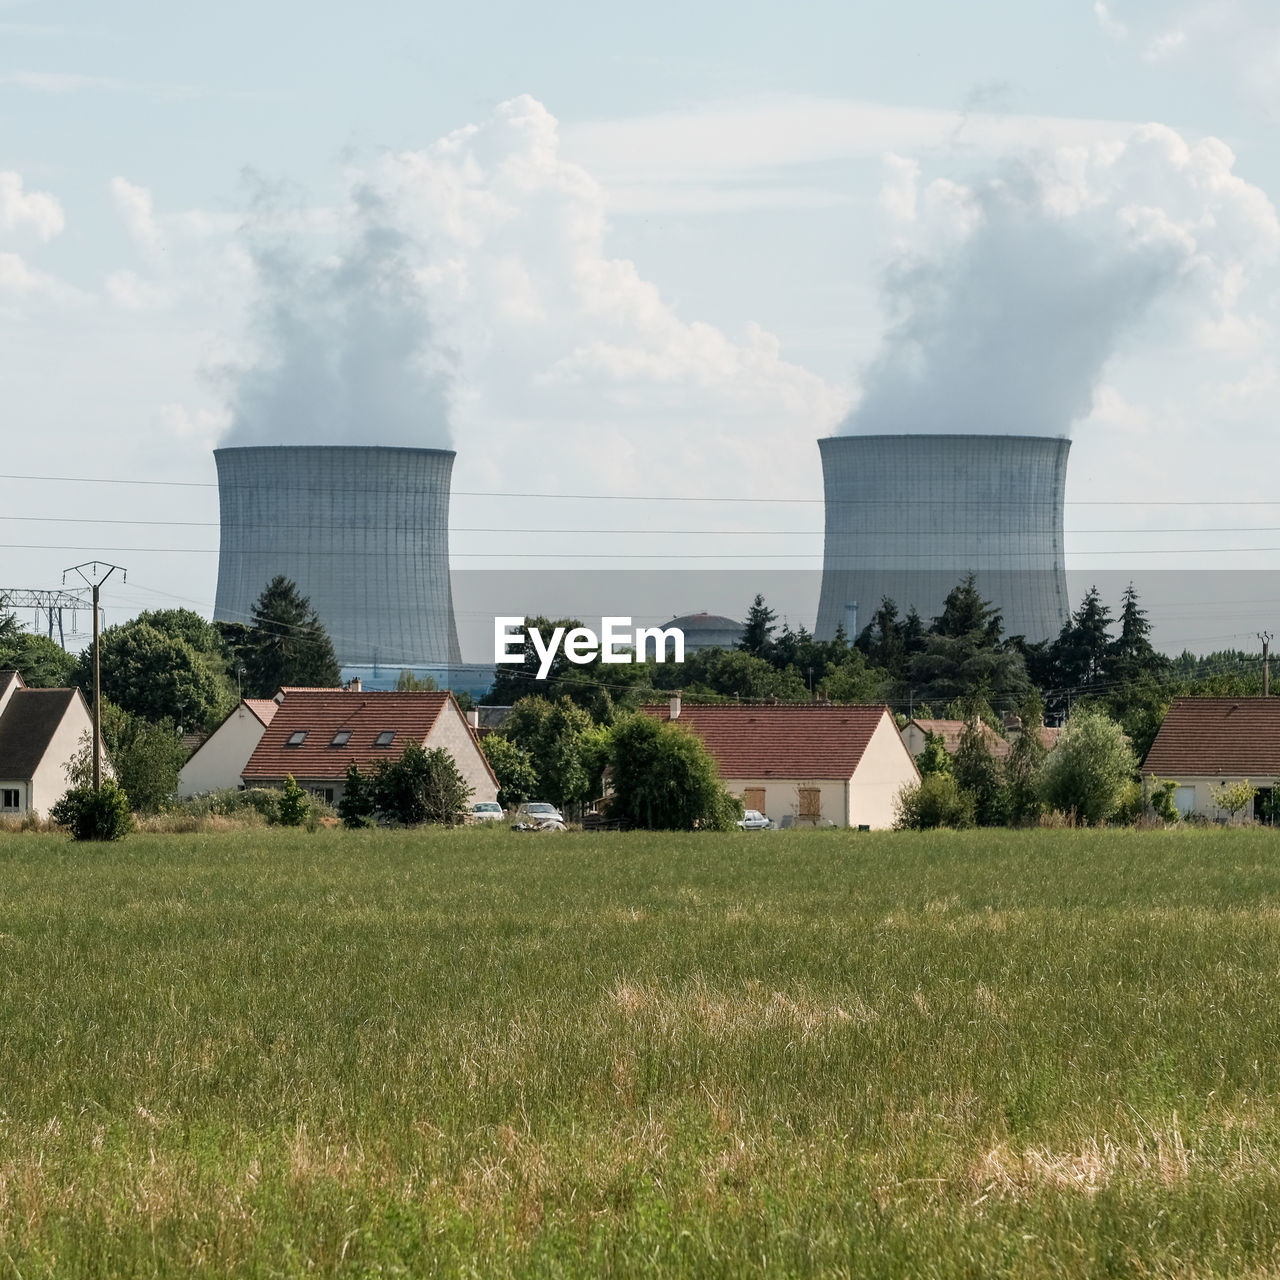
<point x="95" y="815"/>
<point x="937" y="800"/>
<point x="1088" y="771"/>
<point x="665" y="779"/>
<point x="422" y="786"/>
<point x="1233" y="798"/>
<point x="1160" y="798"/>
<point x="295" y="804"/>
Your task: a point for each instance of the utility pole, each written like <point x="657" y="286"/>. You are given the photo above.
<point x="1266" y="637"/>
<point x="95" y="573"/>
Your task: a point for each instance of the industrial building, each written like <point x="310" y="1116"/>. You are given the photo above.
<point x="908" y="516"/>
<point x="364" y="532"/>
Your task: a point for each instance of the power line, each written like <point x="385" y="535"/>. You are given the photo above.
<point x="667" y="497"/>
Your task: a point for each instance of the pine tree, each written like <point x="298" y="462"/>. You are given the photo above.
<point x="286" y="644"/>
<point x="757" y="632"/>
<point x="1131" y="655"/>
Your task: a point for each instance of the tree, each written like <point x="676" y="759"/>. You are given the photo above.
<point x="757" y="631"/>
<point x="978" y="775"/>
<point x="935" y="801"/>
<point x="358" y="804"/>
<point x="1089" y="769"/>
<point x="963" y="656"/>
<point x="286" y="643"/>
<point x="157" y="676"/>
<point x="422" y="786"/>
<point x="513" y="767"/>
<point x="732" y="673"/>
<point x="1025" y="761"/>
<point x="41" y="662"/>
<point x="1131" y="655"/>
<point x="1233" y="798"/>
<point x="146" y="758"/>
<point x="1082" y="648"/>
<point x="664" y="779"/>
<point x="553" y="736"/>
<point x="933" y="757"/>
<point x="407" y="682"/>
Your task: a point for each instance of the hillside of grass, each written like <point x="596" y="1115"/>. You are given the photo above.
<point x="475" y="1053"/>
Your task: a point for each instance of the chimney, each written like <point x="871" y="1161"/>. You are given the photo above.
<point x="675" y="705"/>
<point x="355" y="685"/>
<point x="473" y="720"/>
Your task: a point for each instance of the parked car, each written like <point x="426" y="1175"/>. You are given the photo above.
<point x="536" y="811"/>
<point x="754" y="820"/>
<point x="487" y="811"/>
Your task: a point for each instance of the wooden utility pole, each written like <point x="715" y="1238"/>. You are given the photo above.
<point x="95" y="573"/>
<point x="1266" y="637"/>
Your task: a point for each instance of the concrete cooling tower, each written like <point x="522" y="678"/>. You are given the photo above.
<point x="907" y="516"/>
<point x="363" y="531"/>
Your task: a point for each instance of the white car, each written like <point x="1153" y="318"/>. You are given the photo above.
<point x="487" y="811"/>
<point x="537" y="812"/>
<point x="754" y="820"/>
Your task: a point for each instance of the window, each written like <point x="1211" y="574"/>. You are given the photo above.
<point x="753" y="798"/>
<point x="10" y="798"/>
<point x="341" y="738"/>
<point x="323" y="793"/>
<point x="297" y="739"/>
<point x="385" y="738"/>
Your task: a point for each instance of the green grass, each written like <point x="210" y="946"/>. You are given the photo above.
<point x="480" y="1053"/>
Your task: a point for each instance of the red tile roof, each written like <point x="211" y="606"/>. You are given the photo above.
<point x="782" y="741"/>
<point x="322" y="713"/>
<point x="264" y="708"/>
<point x="952" y="731"/>
<point x="1223" y="737"/>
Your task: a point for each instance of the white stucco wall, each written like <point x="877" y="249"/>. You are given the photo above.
<point x="50" y="782"/>
<point x="885" y="768"/>
<point x="219" y="761"/>
<point x="782" y="796"/>
<point x="1204" y="789"/>
<point x="451" y="732"/>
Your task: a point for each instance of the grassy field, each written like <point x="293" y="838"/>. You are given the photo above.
<point x="481" y="1053"/>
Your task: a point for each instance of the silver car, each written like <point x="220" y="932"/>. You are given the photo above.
<point x="487" y="811"/>
<point x="754" y="820"/>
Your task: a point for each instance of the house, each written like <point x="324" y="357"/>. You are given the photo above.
<point x="217" y="763"/>
<point x="1205" y="742"/>
<point x="807" y="763"/>
<point x="41" y="733"/>
<point x="315" y="734"/>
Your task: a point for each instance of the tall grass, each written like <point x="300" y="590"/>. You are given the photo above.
<point x="476" y="1052"/>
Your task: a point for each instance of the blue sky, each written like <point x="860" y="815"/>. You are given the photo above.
<point x="651" y="245"/>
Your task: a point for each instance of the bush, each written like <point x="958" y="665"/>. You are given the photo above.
<point x="665" y="779"/>
<point x="1161" y="799"/>
<point x="295" y="804"/>
<point x="1088" y="771"/>
<point x="95" y="815"/>
<point x="937" y="800"/>
<point x="422" y="786"/>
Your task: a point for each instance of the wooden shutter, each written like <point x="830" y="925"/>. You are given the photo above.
<point x="753" y="798"/>
<point x="810" y="804"/>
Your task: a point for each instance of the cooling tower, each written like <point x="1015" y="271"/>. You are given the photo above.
<point x="363" y="531"/>
<point x="909" y="515"/>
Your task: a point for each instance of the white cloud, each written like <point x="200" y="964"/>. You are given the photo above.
<point x="898" y="192"/>
<point x="136" y="209"/>
<point x="730" y="141"/>
<point x="38" y="209"/>
<point x="1109" y="23"/>
<point x="19" y="281"/>
<point x="131" y="292"/>
<point x="58" y="81"/>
